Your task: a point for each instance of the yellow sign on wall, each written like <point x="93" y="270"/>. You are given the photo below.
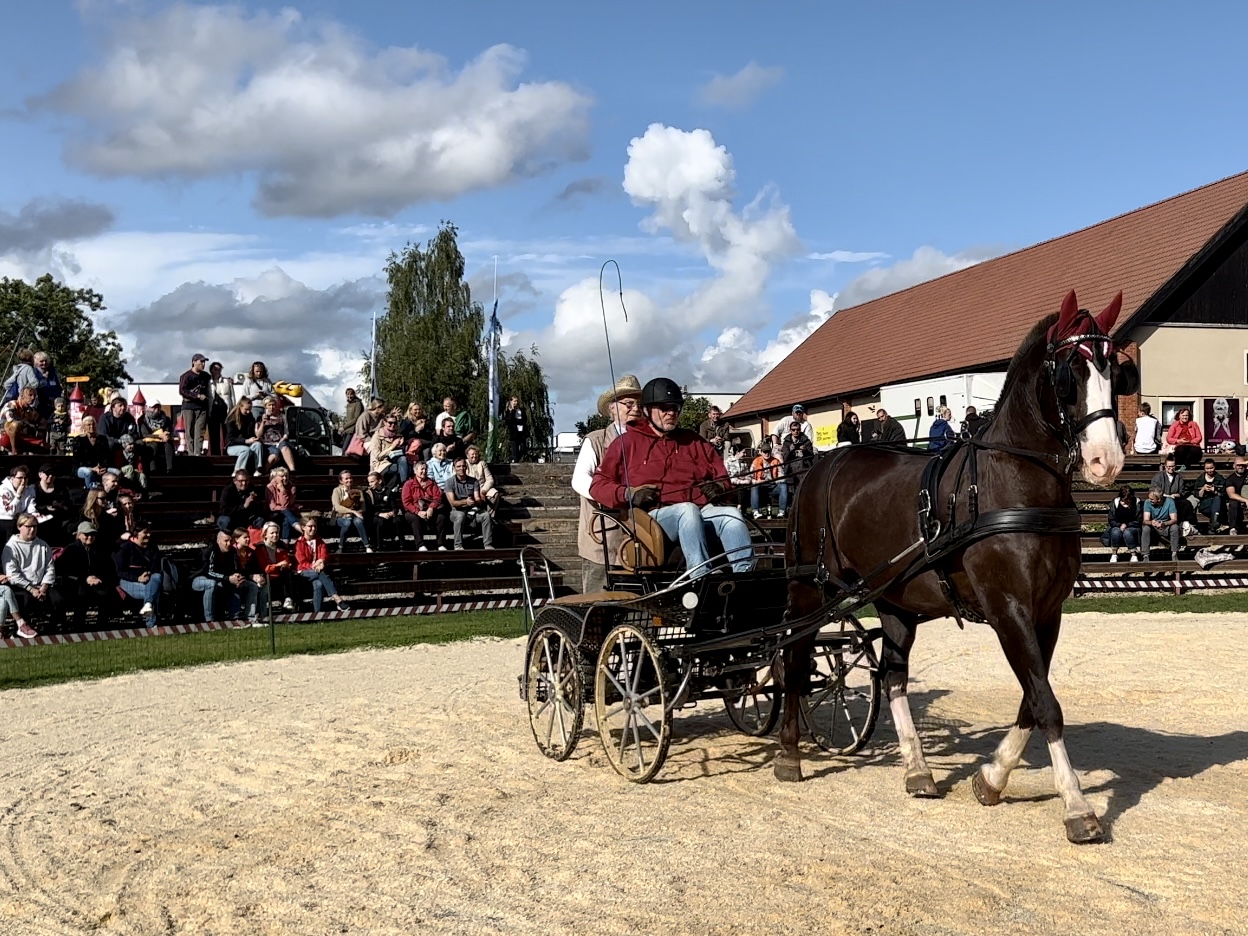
<point x="825" y="437"/>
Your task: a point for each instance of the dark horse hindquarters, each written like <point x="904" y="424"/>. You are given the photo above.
<point x="856" y="514"/>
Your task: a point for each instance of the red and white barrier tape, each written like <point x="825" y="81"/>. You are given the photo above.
<point x="501" y="604"/>
<point x="1162" y="581"/>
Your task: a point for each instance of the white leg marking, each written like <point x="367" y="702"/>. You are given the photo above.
<point x="1009" y="752"/>
<point x="911" y="746"/>
<point x="1066" y="782"/>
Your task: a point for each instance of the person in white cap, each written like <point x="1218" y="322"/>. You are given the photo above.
<point x="798" y="416"/>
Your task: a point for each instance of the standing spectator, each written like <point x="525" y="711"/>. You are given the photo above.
<point x="238" y="503"/>
<point x="47" y="384"/>
<point x="29" y="571"/>
<point x="1147" y="432"/>
<point x="973" y="425"/>
<point x="714" y="429"/>
<point x="766" y="472"/>
<point x="423" y="503"/>
<point x="23" y="375"/>
<point x="258" y="388"/>
<point x="440" y="467"/>
<point x="1122" y="526"/>
<point x="365" y="426"/>
<point x="452" y="443"/>
<point x="275" y="561"/>
<point x="462" y="420"/>
<point x="516" y="418"/>
<point x="348" y="504"/>
<point x="941" y="434"/>
<point x="798" y="416"/>
<point x="311" y="554"/>
<point x="478" y="469"/>
<point x="279" y="497"/>
<point x="53" y="507"/>
<point x="58" y="428"/>
<point x="849" y="432"/>
<point x="17" y="497"/>
<point x="117" y="422"/>
<point x="1184" y="435"/>
<point x="383" y="508"/>
<point x="219" y="577"/>
<point x="885" y="429"/>
<point x="156" y="431"/>
<point x="467" y="506"/>
<point x="92" y="454"/>
<point x="1208" y="493"/>
<point x="386" y="455"/>
<point x="1236" y="495"/>
<point x="274" y="435"/>
<point x="241" y="438"/>
<point x="193" y="385"/>
<point x="87" y="578"/>
<point x="139" y="574"/>
<point x="220" y="402"/>
<point x="1161" y="519"/>
<point x="351" y="414"/>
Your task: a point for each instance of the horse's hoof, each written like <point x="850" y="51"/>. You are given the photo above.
<point x="1084" y="830"/>
<point x="921" y="784"/>
<point x="985" y="792"/>
<point x="787" y="769"/>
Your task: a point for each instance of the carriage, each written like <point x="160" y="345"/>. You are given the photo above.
<point x="663" y="638"/>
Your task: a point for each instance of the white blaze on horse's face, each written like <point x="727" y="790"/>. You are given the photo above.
<point x="1098" y="443"/>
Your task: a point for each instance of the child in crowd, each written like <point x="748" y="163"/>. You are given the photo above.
<point x="132" y="462"/>
<point x="58" y="427"/>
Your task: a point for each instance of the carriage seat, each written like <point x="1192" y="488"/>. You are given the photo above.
<point x="645" y="547"/>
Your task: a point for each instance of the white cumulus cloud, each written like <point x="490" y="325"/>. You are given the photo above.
<point x="327" y="125"/>
<point x="925" y="264"/>
<point x="742" y="89"/>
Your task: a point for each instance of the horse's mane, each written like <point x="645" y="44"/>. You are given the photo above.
<point x="1018" y="390"/>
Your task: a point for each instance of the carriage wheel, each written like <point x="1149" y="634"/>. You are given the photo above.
<point x="754" y="707"/>
<point x="630" y="702"/>
<point x="839" y="713"/>
<point x="555" y="691"/>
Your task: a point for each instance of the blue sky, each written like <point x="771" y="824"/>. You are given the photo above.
<point x="232" y="177"/>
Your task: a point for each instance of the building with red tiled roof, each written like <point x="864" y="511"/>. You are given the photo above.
<point x="1182" y="265"/>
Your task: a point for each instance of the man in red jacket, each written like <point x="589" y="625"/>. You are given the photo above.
<point x="674" y="474"/>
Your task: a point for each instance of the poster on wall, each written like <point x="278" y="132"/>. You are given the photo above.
<point x="1221" y="423"/>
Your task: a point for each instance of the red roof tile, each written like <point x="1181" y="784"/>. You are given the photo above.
<point x="979" y="315"/>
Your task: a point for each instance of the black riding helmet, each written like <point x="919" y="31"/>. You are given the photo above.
<point x="662" y="391"/>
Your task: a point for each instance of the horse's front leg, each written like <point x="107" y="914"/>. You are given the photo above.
<point x="898" y="639"/>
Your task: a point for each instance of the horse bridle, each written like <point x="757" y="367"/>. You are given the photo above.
<point x="1103" y="348"/>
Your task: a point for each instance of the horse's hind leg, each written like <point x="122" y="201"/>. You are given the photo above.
<point x="793" y="680"/>
<point x="898" y="639"/>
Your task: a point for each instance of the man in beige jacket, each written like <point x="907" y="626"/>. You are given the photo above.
<point x="617" y="405"/>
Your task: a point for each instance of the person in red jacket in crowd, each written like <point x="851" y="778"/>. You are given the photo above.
<point x="423" y="502"/>
<point x="311" y="554"/>
<point x="675" y="475"/>
<point x="1185" y="436"/>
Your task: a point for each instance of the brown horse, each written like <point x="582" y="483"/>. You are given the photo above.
<point x="855" y="527"/>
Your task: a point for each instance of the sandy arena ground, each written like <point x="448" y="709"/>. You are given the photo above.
<point x="400" y="792"/>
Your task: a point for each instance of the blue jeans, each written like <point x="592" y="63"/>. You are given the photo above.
<point x="147" y="592"/>
<point x="401" y="467"/>
<point x="761" y="491"/>
<point x="1116" y="537"/>
<point x="688" y="524"/>
<point x="345" y="524"/>
<point x="288" y="519"/>
<point x="216" y="592"/>
<point x="89" y="477"/>
<point x="322" y="585"/>
<point x="242" y="455"/>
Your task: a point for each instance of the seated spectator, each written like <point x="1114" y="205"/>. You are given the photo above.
<point x="258" y="388"/>
<point x="423" y="503"/>
<point x="441" y="468"/>
<point x="885" y="430"/>
<point x="132" y="464"/>
<point x="849" y="432"/>
<point x="87" y="578"/>
<point x="103" y="509"/>
<point x="138" y="564"/>
<point x="10" y="609"/>
<point x="238" y="503"/>
<point x="311" y="554"/>
<point x="347" y="501"/>
<point x="417" y="430"/>
<point x="279" y="497"/>
<point x="1169" y="480"/>
<point x="1122" y="525"/>
<point x="58" y="428"/>
<point x="1236" y="495"/>
<point x="451" y="442"/>
<point x="461" y="419"/>
<point x="273" y="433"/>
<point x="17" y="497"/>
<point x="737" y="462"/>
<point x="220" y="579"/>
<point x="241" y="439"/>
<point x="767" y="471"/>
<point x="53" y="506"/>
<point x="478" y="469"/>
<point x="941" y="434"/>
<point x="24" y="429"/>
<point x="157" y="433"/>
<point x="1185" y="438"/>
<point x="273" y="559"/>
<point x="92" y="454"/>
<point x="29" y="571"/>
<point x="383" y="509"/>
<point x="1147" y="432"/>
<point x="1161" y="520"/>
<point x="467" y="506"/>
<point x="255" y="593"/>
<point x="1208" y="493"/>
<point x="385" y="450"/>
<point x="118" y="422"/>
<point x="797" y="452"/>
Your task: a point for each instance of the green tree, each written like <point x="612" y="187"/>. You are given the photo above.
<point x="694" y="413"/>
<point x="50" y="316"/>
<point x="594" y="422"/>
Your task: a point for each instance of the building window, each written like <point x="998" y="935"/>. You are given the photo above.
<point x="1170" y="410"/>
<point x="931" y="407"/>
<point x="945" y="402"/>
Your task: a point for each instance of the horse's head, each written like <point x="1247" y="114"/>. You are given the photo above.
<point x="1087" y="377"/>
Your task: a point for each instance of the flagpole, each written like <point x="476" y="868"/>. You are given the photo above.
<point x="372" y="362"/>
<point x="492" y="441"/>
